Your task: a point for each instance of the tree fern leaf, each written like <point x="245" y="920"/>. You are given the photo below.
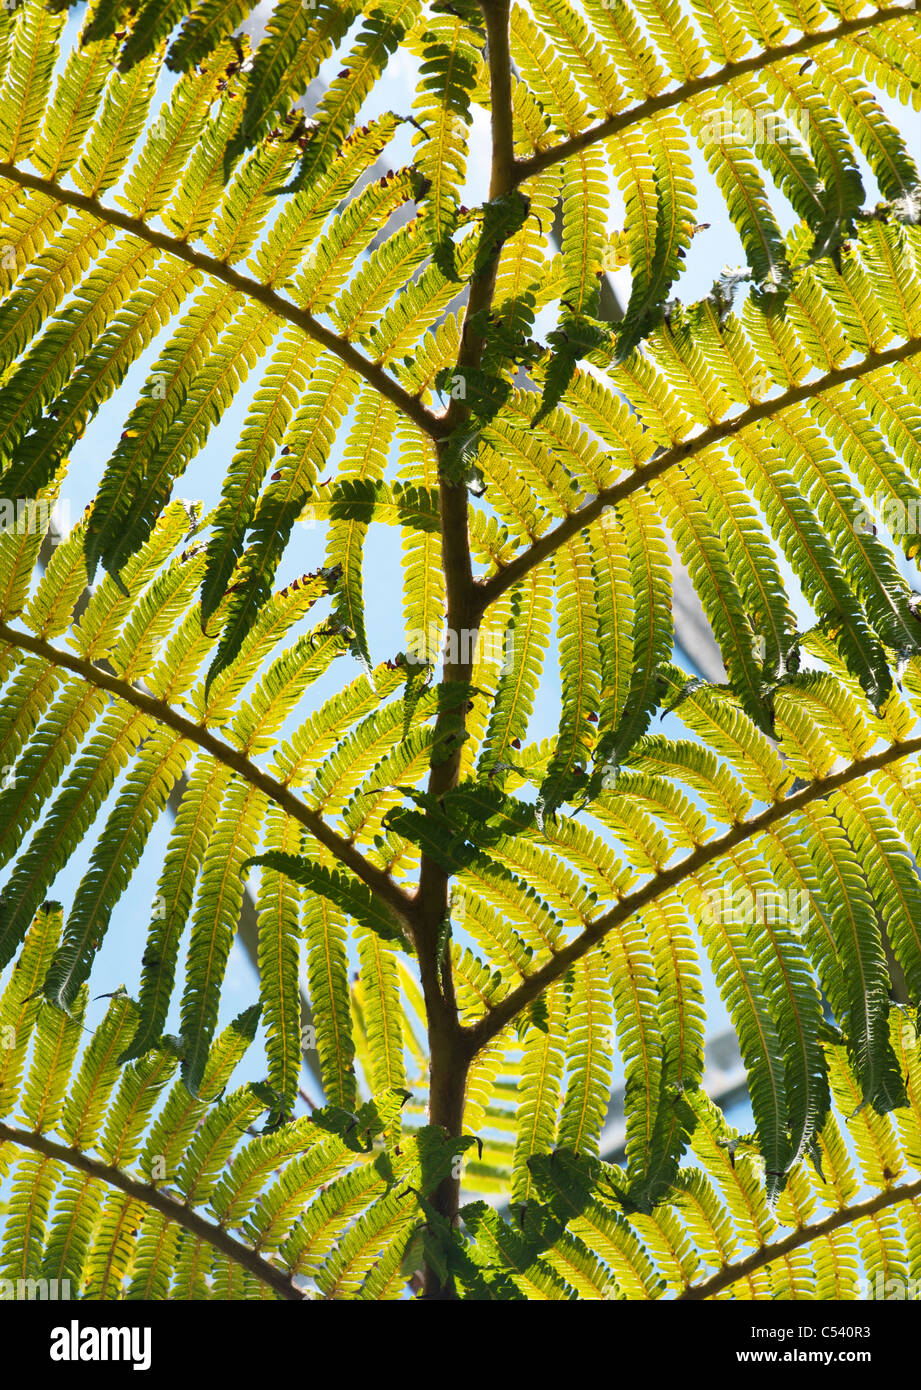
<point x="52" y="359"/>
<point x="113" y="861"/>
<point x="249" y="201"/>
<point x="115" y="133"/>
<point x="580" y="670"/>
<point x="49" y="255"/>
<point x="388" y="268"/>
<point x="659" y="239"/>
<point x="520" y="274"/>
<point x="194" y="1270"/>
<point x="895" y="170"/>
<point x="352" y="897"/>
<point x="734" y="1172"/>
<point x="710" y="569"/>
<point x="51" y="607"/>
<point x="195" y="822"/>
<point x="365" y="457"/>
<point x="815" y="564"/>
<point x="306" y="212"/>
<point x="362" y="709"/>
<point x="131" y="322"/>
<point x="423" y="584"/>
<point x="327" y="978"/>
<point x="746" y="199"/>
<point x="568" y="1184"/>
<point x="181" y="1115"/>
<point x="736" y="964"/>
<point x="546" y="74"/>
<point x="196" y="199"/>
<point x="650" y="574"/>
<point x="148" y="484"/>
<point x="324" y="1221"/>
<point x="76" y="99"/>
<point x="214" y="923"/>
<point x="151" y="24"/>
<point x="21" y="551"/>
<point x="724" y="797"/>
<point x="890" y="876"/>
<point x="20" y="1004"/>
<point x="28" y="696"/>
<point x="50" y="748"/>
<point x="589" y="1062"/>
<point x="270" y="415"/>
<point x="451" y="47"/>
<point x="385" y="28"/>
<point x="244" y="1177"/>
<point x="795" y="873"/>
<point x="28" y="79"/>
<point x="796" y="1003"/>
<point x="867" y="564"/>
<point x="584" y="217"/>
<point x="754" y="564"/>
<point x="861" y="950"/>
<point x="886" y="254"/>
<point x="527" y="637"/>
<point x="297" y="41"/>
<point x="278" y="910"/>
<point x="842" y="186"/>
<point x="68" y="819"/>
<point x="154" y="176"/>
<point x="57" y="1036"/>
<point x="155" y="1258"/>
<point x="860" y="428"/>
<point x="639" y="64"/>
<point x="649" y="1056"/>
<point x="27" y="1216"/>
<point x="872" y="1134"/>
<point x="215" y="1140"/>
<point x="382" y="1014"/>
<point x="332" y="388"/>
<point x="674" y="37"/>
<point x="71" y="1228"/>
<point x="905" y="1045"/>
<point x="129" y="502"/>
<point x="583" y="54"/>
<point x="498" y="1243"/>
<point x="284" y="682"/>
<point x="426" y="300"/>
<point x="526" y="454"/>
<point x="385" y="1222"/>
<point x="54" y="1047"/>
<point x="275" y="1222"/>
<point x="539" y="1089"/>
<point x="208" y="22"/>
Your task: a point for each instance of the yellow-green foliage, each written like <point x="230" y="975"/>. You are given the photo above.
<point x="468" y="932"/>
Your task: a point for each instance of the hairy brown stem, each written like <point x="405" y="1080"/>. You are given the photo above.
<point x="448" y="1061"/>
